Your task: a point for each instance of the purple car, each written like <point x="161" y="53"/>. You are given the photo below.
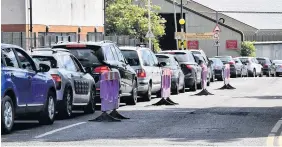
<point x="27" y="90"/>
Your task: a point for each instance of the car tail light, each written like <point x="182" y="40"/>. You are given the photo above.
<point x="58" y="80"/>
<point x="101" y="69"/>
<point x="141" y="73"/>
<point x="231" y="62"/>
<point x="280" y="66"/>
<point x="189" y="66"/>
<point x="265" y="66"/>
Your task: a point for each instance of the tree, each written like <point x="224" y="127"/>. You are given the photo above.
<point x="125" y="18"/>
<point x="248" y="49"/>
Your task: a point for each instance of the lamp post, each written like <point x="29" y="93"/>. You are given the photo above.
<point x="182" y="22"/>
<point x="149" y="23"/>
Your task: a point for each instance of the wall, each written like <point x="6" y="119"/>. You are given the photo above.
<point x="13" y="12"/>
<point x="272" y="50"/>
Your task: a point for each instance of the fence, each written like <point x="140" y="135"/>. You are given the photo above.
<point x="47" y="39"/>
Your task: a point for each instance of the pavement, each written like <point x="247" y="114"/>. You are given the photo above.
<point x="249" y="115"/>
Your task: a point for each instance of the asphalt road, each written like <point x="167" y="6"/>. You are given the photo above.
<point x="246" y="116"/>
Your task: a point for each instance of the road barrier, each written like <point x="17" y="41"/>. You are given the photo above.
<point x="165" y="89"/>
<point x="204" y="81"/>
<point x="226" y="78"/>
<point x="109" y="93"/>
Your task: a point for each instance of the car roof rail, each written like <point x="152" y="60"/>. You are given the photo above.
<point x="53" y="50"/>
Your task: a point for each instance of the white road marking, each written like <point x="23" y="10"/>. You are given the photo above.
<point x="272" y="134"/>
<point x="280" y="140"/>
<point x="57" y="130"/>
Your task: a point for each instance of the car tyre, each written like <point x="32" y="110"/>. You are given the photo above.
<point x="183" y="88"/>
<point x="47" y="116"/>
<point x="7" y="115"/>
<point x="148" y="95"/>
<point x="199" y="86"/>
<point x="132" y="100"/>
<point x="194" y="85"/>
<point x="277" y="75"/>
<point x="254" y="73"/>
<point x="65" y="110"/>
<point x="213" y="78"/>
<point x="90" y="108"/>
<point x="176" y="90"/>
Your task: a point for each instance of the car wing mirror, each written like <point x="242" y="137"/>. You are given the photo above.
<point x="44" y="67"/>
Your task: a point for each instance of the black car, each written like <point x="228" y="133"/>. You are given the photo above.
<point x="189" y="66"/>
<point x="177" y="78"/>
<point x="218" y="67"/>
<point x="268" y="68"/>
<point x="99" y="57"/>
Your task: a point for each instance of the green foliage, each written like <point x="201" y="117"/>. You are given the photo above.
<point x="123" y="17"/>
<point x="248" y="49"/>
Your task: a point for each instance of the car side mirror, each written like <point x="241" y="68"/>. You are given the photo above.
<point x="43" y="67"/>
<point x="236" y="62"/>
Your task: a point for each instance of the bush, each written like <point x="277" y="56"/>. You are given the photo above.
<point x="248" y="49"/>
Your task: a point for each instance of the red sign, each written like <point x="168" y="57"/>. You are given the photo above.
<point x="232" y="44"/>
<point x="193" y="44"/>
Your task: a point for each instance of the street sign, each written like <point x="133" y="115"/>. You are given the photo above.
<point x="179" y="35"/>
<point x="216" y="43"/>
<point x="190" y="36"/>
<point x="180" y="43"/>
<point x="216" y="36"/>
<point x="150" y="35"/>
<point x="216" y="29"/>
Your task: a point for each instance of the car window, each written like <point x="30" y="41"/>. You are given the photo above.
<point x="77" y="64"/>
<point x="9" y="57"/>
<point x="132" y="57"/>
<point x="155" y="60"/>
<point x="108" y="53"/>
<point x="277" y="61"/>
<point x="165" y="59"/>
<point x="146" y="58"/>
<point x="114" y="53"/>
<point x="68" y="63"/>
<point x="119" y="54"/>
<point x="182" y="56"/>
<point x="25" y="61"/>
<point x="49" y="60"/>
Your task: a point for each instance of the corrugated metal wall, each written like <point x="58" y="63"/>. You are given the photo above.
<point x="270" y="50"/>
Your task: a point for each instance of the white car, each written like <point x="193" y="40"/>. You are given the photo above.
<point x="253" y="66"/>
<point x="278" y="66"/>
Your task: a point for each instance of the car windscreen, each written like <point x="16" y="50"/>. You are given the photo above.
<point x="224" y="59"/>
<point x="216" y="61"/>
<point x="195" y="52"/>
<point x="244" y="60"/>
<point x="87" y="55"/>
<point x="165" y="59"/>
<point x="131" y="56"/>
<point x="51" y="61"/>
<point x="182" y="56"/>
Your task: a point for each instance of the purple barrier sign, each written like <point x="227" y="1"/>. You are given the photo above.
<point x="226" y="73"/>
<point x="166" y="83"/>
<point x="204" y="75"/>
<point x="109" y="91"/>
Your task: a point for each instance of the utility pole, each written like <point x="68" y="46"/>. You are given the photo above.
<point x="149" y="23"/>
<point x="182" y="25"/>
<point x="217" y="47"/>
<point x="30" y="24"/>
<point x="175" y="22"/>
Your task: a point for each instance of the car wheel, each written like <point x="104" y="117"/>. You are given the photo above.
<point x="65" y="109"/>
<point x="194" y="85"/>
<point x="183" y="88"/>
<point x="48" y="115"/>
<point x="213" y="78"/>
<point x="268" y="74"/>
<point x="8" y="115"/>
<point x="254" y="73"/>
<point x="200" y="85"/>
<point x="176" y="90"/>
<point x="148" y="95"/>
<point x="277" y="74"/>
<point x="132" y="100"/>
<point x="90" y="108"/>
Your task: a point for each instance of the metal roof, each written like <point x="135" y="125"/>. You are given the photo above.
<point x="257" y="20"/>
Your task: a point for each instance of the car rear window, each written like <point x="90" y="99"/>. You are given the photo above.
<point x="87" y="55"/>
<point x="182" y="56"/>
<point x="263" y="61"/>
<point x="244" y="60"/>
<point x="224" y="59"/>
<point x="277" y="61"/>
<point x="195" y="52"/>
<point x="51" y="61"/>
<point x="166" y="59"/>
<point x="131" y="57"/>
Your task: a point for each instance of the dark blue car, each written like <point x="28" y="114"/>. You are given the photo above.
<point x="27" y="90"/>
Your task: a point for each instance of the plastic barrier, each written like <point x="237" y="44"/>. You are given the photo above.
<point x="204" y="81"/>
<point x="226" y="75"/>
<point x="165" y="89"/>
<point x="109" y="93"/>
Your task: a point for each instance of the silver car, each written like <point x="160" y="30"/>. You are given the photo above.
<point x="75" y="87"/>
<point x="147" y="68"/>
<point x="278" y="67"/>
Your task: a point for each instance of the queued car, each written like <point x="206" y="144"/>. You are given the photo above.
<point x="190" y="67"/>
<point x="253" y="67"/>
<point x="229" y="60"/>
<point x="267" y="67"/>
<point x="278" y="67"/>
<point x="99" y="57"/>
<point x="74" y="86"/>
<point x="211" y="76"/>
<point x="218" y="67"/>
<point x="148" y="70"/>
<point x="177" y="78"/>
<point x="27" y="90"/>
<point x="239" y="67"/>
<point x="200" y="57"/>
